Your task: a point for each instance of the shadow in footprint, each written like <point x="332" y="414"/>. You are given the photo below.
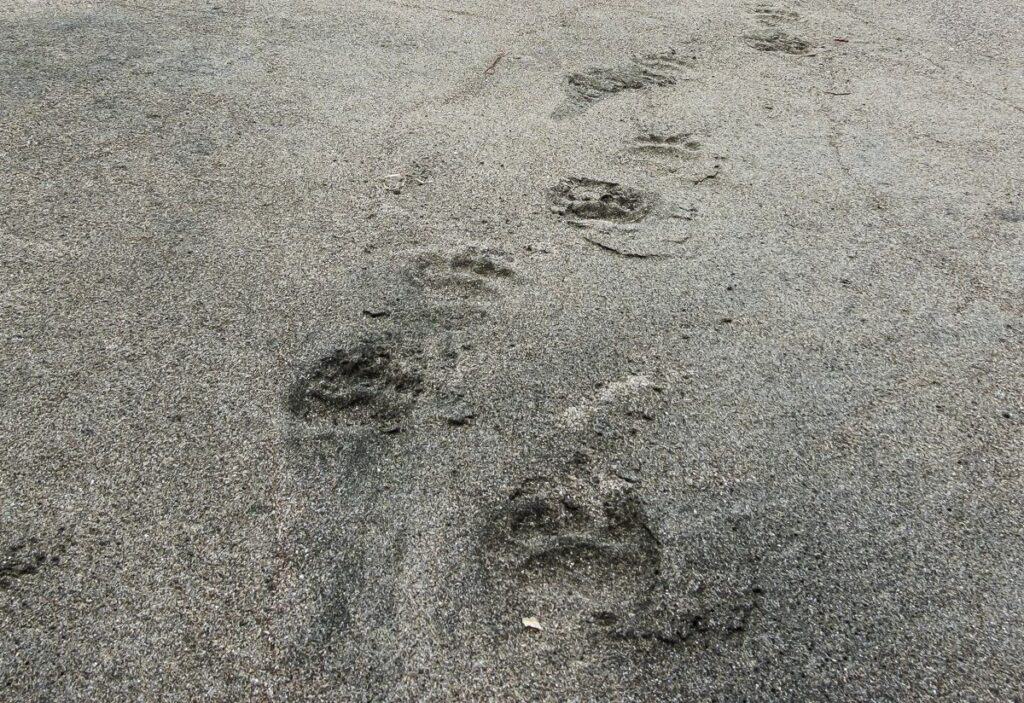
<point x="575" y="544"/>
<point x="344" y="540"/>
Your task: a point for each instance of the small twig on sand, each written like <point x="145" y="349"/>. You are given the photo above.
<point x="490" y="69"/>
<point x="620" y="252"/>
<point x="833" y="92"/>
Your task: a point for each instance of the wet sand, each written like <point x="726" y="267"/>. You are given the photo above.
<point x="464" y="351"/>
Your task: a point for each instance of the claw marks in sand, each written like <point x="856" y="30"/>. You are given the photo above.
<point x="582" y="199"/>
<point x="376" y="380"/>
<point x="612" y="211"/>
<point x="674" y="151"/>
<point x="780" y="42"/>
<point x="367" y="383"/>
<point x="657" y="70"/>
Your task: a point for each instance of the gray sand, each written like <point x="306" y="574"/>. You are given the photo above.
<point x="340" y="336"/>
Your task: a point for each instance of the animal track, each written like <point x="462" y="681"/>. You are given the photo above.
<point x="779" y="42"/>
<point x="569" y="543"/>
<point x="667" y="145"/>
<point x="575" y="537"/>
<point x="20" y="562"/>
<point x="774" y="16"/>
<point x="574" y="545"/>
<point x="1011" y="215"/>
<point x="365" y="384"/>
<point x="469" y="271"/>
<point x="647" y="71"/>
<point x="589" y="199"/>
<point x="721" y="619"/>
<point x="665" y="62"/>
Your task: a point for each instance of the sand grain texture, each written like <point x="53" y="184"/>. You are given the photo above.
<point x="340" y="339"/>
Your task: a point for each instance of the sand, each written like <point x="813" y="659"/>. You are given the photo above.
<point x="369" y="350"/>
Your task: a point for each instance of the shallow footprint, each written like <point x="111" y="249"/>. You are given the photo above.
<point x="711" y="618"/>
<point x="667" y="145"/>
<point x="465" y="272"/>
<point x="574" y="537"/>
<point x="367" y="383"/>
<point x="780" y="42"/>
<point x="564" y="548"/>
<point x="774" y="16"/>
<point x="584" y="199"/>
<point x="655" y="70"/>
